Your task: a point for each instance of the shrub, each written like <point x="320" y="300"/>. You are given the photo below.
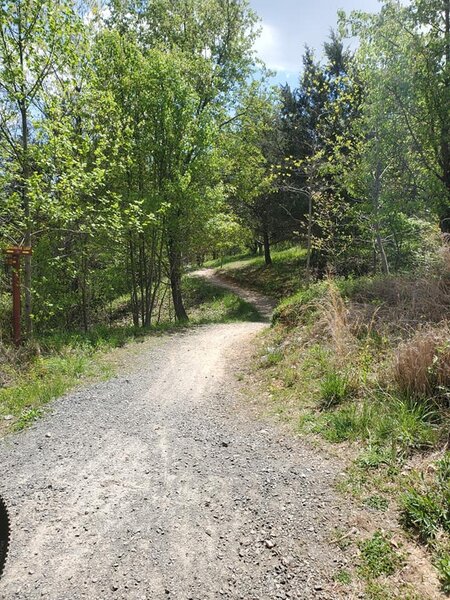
<point x="422" y="364"/>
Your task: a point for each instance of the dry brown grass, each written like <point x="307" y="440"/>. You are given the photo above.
<point x="422" y="364"/>
<point x="335" y="318"/>
<point x="405" y="303"/>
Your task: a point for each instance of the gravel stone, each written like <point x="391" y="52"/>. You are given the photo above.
<point x="137" y="472"/>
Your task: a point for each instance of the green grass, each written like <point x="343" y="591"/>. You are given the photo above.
<point x="425" y="511"/>
<point x="343" y="576"/>
<point x="335" y="387"/>
<point x="391" y="427"/>
<point x="225" y="260"/>
<point x="47" y="376"/>
<point x="282" y="278"/>
<point x="54" y="364"/>
<point x="206" y="303"/>
<point x="443" y="566"/>
<point x="378" y="557"/>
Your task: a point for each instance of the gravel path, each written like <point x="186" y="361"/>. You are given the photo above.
<point x="162" y="484"/>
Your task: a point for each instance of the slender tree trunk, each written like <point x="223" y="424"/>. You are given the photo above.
<point x="175" y="281"/>
<point x="141" y="259"/>
<point x="309" y="234"/>
<point x="23" y="108"/>
<point x="376" y="208"/>
<point x="84" y="290"/>
<point x="445" y="131"/>
<point x="266" y="241"/>
<point x="133" y="284"/>
<point x="27" y="279"/>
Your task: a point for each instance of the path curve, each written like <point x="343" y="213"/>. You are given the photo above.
<point x="160" y="484"/>
<point x="264" y="305"/>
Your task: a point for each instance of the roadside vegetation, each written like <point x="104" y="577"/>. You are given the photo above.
<point x="363" y="364"/>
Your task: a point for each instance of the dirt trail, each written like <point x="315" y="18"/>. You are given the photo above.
<point x="263" y="304"/>
<point x="160" y="484"/>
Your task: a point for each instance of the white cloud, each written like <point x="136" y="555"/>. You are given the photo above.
<point x="271" y="48"/>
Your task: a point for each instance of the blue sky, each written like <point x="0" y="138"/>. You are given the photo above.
<point x="288" y="25"/>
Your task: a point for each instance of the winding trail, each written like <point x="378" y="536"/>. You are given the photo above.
<point x="264" y="305"/>
<point x="162" y="483"/>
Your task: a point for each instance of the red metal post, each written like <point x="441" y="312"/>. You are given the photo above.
<point x="13" y="255"/>
<point x="16" y="298"/>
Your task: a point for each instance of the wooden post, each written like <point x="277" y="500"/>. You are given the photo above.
<point x="13" y="255"/>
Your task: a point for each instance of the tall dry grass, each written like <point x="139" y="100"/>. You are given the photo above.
<point x="422" y="364"/>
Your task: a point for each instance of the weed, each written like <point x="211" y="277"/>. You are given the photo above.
<point x="443" y="566"/>
<point x="377" y="556"/>
<point x="343" y="576"/>
<point x="378" y="591"/>
<point x="426" y="505"/>
<point x="289" y="376"/>
<point x="272" y="357"/>
<point x="374" y="456"/>
<point x="377" y="502"/>
<point x="342" y="538"/>
<point x="27" y="418"/>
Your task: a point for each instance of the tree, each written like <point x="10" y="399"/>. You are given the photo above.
<point x="317" y="118"/>
<point x="214" y="42"/>
<point x="255" y="146"/>
<point x="411" y="44"/>
<point x="36" y="47"/>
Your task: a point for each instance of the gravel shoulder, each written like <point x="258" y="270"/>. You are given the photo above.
<point x="161" y="484"/>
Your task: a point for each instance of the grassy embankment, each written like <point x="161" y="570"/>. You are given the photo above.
<point x="281" y="280"/>
<point x="364" y="365"/>
<point x="32" y="376"/>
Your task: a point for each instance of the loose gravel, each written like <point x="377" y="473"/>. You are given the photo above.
<point x="161" y="484"/>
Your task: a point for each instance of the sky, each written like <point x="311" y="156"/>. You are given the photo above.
<point x="289" y="25"/>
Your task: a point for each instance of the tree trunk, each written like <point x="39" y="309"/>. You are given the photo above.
<point x="27" y="280"/>
<point x="376" y="205"/>
<point x="445" y="132"/>
<point x="133" y="283"/>
<point x="309" y="235"/>
<point x="84" y="289"/>
<point x="175" y="281"/>
<point x="267" y="257"/>
<point x="23" y="108"/>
